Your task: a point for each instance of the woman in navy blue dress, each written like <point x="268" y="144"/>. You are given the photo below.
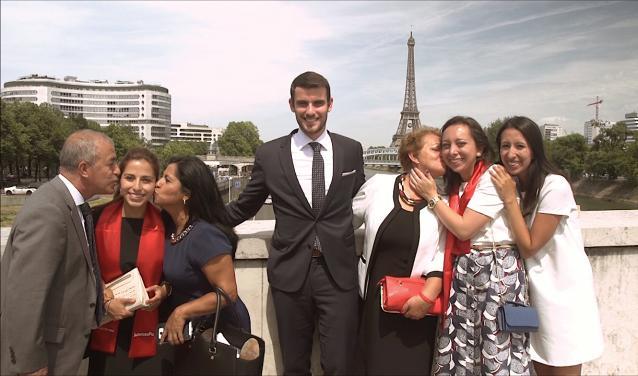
<point x="199" y="247"/>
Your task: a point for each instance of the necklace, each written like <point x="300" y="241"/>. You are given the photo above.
<point x="404" y="197"/>
<point x="178" y="238"/>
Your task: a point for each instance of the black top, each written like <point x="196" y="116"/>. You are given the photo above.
<point x="394" y="255"/>
<point x="130" y="236"/>
<point x="408" y="343"/>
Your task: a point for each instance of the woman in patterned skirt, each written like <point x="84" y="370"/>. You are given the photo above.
<point x="482" y="268"/>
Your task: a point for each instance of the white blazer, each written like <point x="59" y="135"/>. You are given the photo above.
<point x="373" y="203"/>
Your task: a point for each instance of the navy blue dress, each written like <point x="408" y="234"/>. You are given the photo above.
<point x="183" y="262"/>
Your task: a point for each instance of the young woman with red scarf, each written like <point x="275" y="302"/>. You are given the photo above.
<point x="482" y="267"/>
<point x="129" y="233"/>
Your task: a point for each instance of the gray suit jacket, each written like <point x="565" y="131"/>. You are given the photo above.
<point x="48" y="286"/>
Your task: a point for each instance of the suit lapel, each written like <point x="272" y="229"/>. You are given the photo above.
<point x="75" y="217"/>
<point x="337" y="167"/>
<point x="285" y="157"/>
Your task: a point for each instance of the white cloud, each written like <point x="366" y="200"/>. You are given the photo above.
<point x="226" y="61"/>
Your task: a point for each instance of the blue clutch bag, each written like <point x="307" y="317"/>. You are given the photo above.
<point x="516" y="317"/>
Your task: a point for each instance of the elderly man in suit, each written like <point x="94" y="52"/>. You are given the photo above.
<point x="51" y="285"/>
<point x="311" y="175"/>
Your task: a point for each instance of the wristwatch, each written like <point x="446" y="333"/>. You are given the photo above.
<point x="169" y="288"/>
<point x="433" y="201"/>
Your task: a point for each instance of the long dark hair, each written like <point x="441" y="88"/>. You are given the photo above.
<point x="205" y="201"/>
<point x="452" y="178"/>
<point x="539" y="167"/>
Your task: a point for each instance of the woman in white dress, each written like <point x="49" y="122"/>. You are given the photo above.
<point x="560" y="276"/>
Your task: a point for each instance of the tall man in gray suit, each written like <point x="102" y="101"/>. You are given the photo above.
<point x="312" y="175"/>
<point x="50" y="278"/>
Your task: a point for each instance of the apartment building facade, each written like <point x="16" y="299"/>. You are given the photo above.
<point x="145" y="108"/>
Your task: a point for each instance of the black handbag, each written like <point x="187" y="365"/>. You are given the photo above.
<point x="516" y="317"/>
<point x="205" y="355"/>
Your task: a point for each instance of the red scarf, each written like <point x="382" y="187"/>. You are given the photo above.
<point x="150" y="258"/>
<point x="453" y="246"/>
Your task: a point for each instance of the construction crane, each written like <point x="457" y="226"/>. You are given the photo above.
<point x="597" y="103"/>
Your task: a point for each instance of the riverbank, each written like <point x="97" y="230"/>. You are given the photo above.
<point x="608" y="190"/>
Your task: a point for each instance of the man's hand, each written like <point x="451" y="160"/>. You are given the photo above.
<point x="41" y="372"/>
<point x="117" y="310"/>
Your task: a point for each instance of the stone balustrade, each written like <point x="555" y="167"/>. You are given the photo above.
<point x="611" y="240"/>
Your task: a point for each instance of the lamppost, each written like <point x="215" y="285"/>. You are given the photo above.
<point x="230" y="183"/>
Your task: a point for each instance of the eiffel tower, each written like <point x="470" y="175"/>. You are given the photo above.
<point x="410" y="114"/>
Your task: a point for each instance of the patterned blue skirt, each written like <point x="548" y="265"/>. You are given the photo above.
<point x="469" y="342"/>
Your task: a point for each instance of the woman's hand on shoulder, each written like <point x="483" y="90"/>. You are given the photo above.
<point x="423" y="184"/>
<point x="504" y="184"/>
<point x="415" y="308"/>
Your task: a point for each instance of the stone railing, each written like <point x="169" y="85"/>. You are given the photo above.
<point x="611" y="240"/>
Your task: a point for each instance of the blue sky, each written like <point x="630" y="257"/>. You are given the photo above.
<point x="228" y="61"/>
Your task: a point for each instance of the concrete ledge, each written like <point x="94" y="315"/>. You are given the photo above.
<point x="611" y="228"/>
<point x="611" y="243"/>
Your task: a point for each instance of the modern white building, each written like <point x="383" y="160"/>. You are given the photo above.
<point x="197" y="132"/>
<point x="631" y="121"/>
<point x="592" y="129"/>
<point x="552" y="131"/>
<point x="143" y="107"/>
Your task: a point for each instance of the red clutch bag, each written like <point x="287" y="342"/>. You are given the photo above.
<point x="395" y="291"/>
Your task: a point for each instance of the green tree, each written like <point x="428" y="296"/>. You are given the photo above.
<point x="49" y="131"/>
<point x="199" y="147"/>
<point x="241" y="138"/>
<point x="124" y="138"/>
<point x="568" y="154"/>
<point x="175" y="148"/>
<point x="13" y="140"/>
<point x="611" y="155"/>
<point x="79" y="122"/>
<point x="491" y="131"/>
<point x="629" y="169"/>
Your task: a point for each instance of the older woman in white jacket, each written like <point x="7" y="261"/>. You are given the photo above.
<point x="402" y="239"/>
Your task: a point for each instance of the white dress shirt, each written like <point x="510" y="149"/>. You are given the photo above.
<point x="302" y="160"/>
<point x="77" y="198"/>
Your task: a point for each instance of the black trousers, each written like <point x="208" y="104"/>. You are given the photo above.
<point x="336" y="312"/>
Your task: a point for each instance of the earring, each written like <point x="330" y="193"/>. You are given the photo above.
<point x="478" y="155"/>
<point x="184" y="199"/>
